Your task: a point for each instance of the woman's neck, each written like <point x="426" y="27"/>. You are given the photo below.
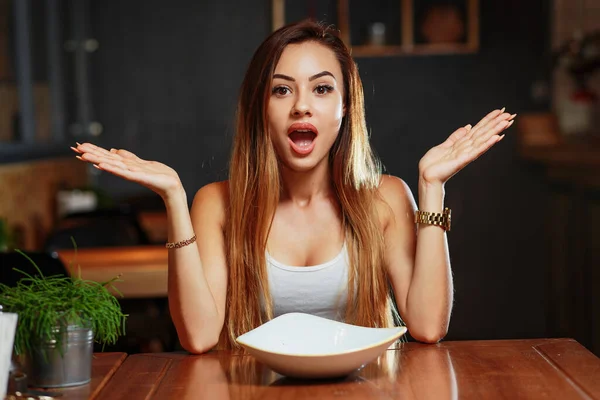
<point x="302" y="187"/>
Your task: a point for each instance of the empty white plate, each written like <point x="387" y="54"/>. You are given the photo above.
<point x="306" y="346"/>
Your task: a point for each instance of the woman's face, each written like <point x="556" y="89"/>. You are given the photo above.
<point x="305" y="107"/>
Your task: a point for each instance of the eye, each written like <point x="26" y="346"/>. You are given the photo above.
<point x="280" y="90"/>
<point x="323" y="89"/>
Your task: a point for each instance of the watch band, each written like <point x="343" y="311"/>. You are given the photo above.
<point x="442" y="219"/>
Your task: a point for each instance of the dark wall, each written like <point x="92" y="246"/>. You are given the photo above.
<point x="165" y="83"/>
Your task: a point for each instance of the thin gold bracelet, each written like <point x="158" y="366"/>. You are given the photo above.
<point x="183" y="243"/>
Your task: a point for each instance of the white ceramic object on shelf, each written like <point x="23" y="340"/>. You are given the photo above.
<point x="306" y="346"/>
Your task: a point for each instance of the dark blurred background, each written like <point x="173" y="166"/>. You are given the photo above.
<point x="161" y="79"/>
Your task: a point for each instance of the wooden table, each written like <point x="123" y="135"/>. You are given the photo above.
<point x="507" y="369"/>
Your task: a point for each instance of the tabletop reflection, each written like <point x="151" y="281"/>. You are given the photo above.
<point x="424" y="371"/>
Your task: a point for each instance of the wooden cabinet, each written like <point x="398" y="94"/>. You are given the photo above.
<point x="392" y="27"/>
<point x="572" y="173"/>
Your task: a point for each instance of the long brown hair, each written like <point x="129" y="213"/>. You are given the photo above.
<point x="254" y="187"/>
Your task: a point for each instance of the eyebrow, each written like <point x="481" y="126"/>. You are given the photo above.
<point x="312" y="78"/>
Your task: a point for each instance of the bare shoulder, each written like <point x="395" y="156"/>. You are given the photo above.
<point x="391" y="187"/>
<point x="211" y="201"/>
<point x="396" y="198"/>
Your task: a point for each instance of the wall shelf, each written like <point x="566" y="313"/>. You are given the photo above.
<point x="392" y="27"/>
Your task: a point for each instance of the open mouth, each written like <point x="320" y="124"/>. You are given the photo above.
<point x="302" y="137"/>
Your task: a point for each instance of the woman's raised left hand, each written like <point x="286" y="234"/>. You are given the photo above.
<point x="463" y="146"/>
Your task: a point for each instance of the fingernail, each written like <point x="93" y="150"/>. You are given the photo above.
<point x="95" y="166"/>
<point x="75" y="150"/>
<point x="503" y="108"/>
<point x="509" y="124"/>
<point x="512" y="117"/>
<point x="468" y="126"/>
<point x="78" y="144"/>
<point x="501" y="137"/>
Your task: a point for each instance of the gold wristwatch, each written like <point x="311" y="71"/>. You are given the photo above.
<point x="442" y="220"/>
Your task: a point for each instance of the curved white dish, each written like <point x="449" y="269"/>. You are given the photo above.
<point x="306" y="346"/>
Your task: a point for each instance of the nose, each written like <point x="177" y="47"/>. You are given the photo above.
<point x="301" y="106"/>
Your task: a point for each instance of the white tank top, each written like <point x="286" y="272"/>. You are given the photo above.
<point x="320" y="290"/>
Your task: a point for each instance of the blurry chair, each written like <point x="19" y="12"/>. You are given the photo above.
<point x="100" y="228"/>
<point x="152" y="216"/>
<point x="48" y="264"/>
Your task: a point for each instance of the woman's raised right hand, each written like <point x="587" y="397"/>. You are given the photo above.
<point x="157" y="177"/>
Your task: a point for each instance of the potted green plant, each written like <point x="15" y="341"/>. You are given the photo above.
<point x="59" y="318"/>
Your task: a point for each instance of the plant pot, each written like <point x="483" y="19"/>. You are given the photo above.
<point x="577" y="116"/>
<point x="48" y="367"/>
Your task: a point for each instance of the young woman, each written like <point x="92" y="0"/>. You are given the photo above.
<point x="306" y="222"/>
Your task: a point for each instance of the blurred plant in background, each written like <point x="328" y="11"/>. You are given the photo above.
<point x="580" y="57"/>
